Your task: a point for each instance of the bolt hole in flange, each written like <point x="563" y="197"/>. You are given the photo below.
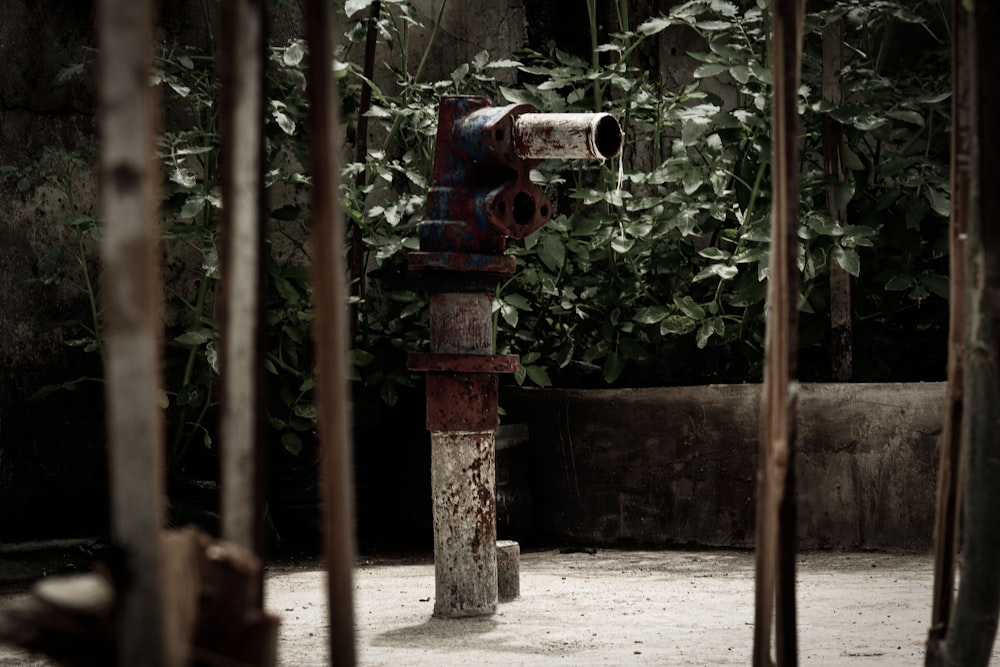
<point x="524" y="208"/>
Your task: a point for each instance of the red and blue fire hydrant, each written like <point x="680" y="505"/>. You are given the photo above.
<point x="480" y="195"/>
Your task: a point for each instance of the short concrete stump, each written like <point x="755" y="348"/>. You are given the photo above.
<point x="508" y="570"/>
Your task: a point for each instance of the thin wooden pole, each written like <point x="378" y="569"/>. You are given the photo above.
<point x="950" y="456"/>
<point x="329" y="334"/>
<point x="242" y="68"/>
<point x="775" y="527"/>
<point x="973" y="624"/>
<point x="841" y="324"/>
<point x="132" y="300"/>
<point x="361" y="156"/>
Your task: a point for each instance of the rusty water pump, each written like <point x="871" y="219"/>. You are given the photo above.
<point x="480" y="195"/>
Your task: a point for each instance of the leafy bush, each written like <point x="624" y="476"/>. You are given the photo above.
<point x="654" y="268"/>
<point x="664" y="281"/>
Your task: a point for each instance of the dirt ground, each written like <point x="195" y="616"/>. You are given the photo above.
<point x="609" y="608"/>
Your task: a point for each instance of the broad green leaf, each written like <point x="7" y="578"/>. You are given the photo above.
<point x="654" y="25"/>
<point x="291" y="442"/>
<point x="361" y="357"/>
<point x="843" y="193"/>
<point x="936" y="284"/>
<point x="352" y="7"/>
<point x="509" y="314"/>
<point x="194" y="337"/>
<point x="712" y="252"/>
<point x="907" y="116"/>
<point x="613" y="367"/>
<point x="705" y="332"/>
<point x="939" y="201"/>
<point x="847" y="259"/>
<point x="723" y="271"/>
<point x="899" y="283"/>
<point x="286" y="124"/>
<point x="689" y="307"/>
<point x="651" y="314"/>
<point x="676" y="324"/>
<point x="852" y="161"/>
<point x="293" y="54"/>
<point x="538" y="375"/>
<point x="518" y="301"/>
<point x="621" y="243"/>
<point x="709" y="70"/>
<point x="552" y="252"/>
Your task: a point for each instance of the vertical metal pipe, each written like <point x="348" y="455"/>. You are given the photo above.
<point x="775" y="533"/>
<point x="329" y="334"/>
<point x="463" y="477"/>
<point x="131" y="300"/>
<point x="242" y="127"/>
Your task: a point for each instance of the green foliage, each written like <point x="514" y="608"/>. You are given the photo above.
<point x="653" y="270"/>
<point x="664" y="281"/>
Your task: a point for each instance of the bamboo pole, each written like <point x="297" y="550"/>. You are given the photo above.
<point x="948" y="504"/>
<point x="242" y="70"/>
<point x="841" y="324"/>
<point x="775" y="527"/>
<point x="973" y="623"/>
<point x="329" y="334"/>
<point x="131" y="300"/>
<point x="357" y="256"/>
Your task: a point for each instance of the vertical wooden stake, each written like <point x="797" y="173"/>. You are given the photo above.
<point x="775" y="528"/>
<point x="973" y="623"/>
<point x="329" y="334"/>
<point x="242" y="70"/>
<point x="841" y="324"/>
<point x="132" y="300"/>
<point x="949" y="461"/>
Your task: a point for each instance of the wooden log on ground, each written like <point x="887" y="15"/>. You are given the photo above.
<point x="210" y="606"/>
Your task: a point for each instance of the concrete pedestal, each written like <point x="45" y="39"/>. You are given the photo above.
<point x="464" y="505"/>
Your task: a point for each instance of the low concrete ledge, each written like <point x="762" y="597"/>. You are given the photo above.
<point x="677" y="465"/>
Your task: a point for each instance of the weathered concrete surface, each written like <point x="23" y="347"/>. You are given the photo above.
<point x="677" y="465"/>
<point x="464" y="502"/>
<point x="674" y="608"/>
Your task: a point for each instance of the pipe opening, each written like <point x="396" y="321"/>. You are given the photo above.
<point x="524" y="208"/>
<point x="608" y="137"/>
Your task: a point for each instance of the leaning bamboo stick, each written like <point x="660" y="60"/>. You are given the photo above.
<point x="841" y="324"/>
<point x="775" y="532"/>
<point x="973" y="624"/>
<point x="131" y="301"/>
<point x="329" y="334"/>
<point x="949" y="460"/>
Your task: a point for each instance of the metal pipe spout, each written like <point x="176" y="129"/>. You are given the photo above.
<point x="590" y="136"/>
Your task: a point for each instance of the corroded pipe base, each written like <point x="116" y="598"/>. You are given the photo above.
<point x="465" y="557"/>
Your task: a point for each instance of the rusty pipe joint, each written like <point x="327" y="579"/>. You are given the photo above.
<point x="518" y="208"/>
<point x="482" y="161"/>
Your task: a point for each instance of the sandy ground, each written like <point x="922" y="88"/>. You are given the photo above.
<point x="610" y="608"/>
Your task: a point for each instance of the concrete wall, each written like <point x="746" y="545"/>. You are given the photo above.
<point x="677" y="465"/>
